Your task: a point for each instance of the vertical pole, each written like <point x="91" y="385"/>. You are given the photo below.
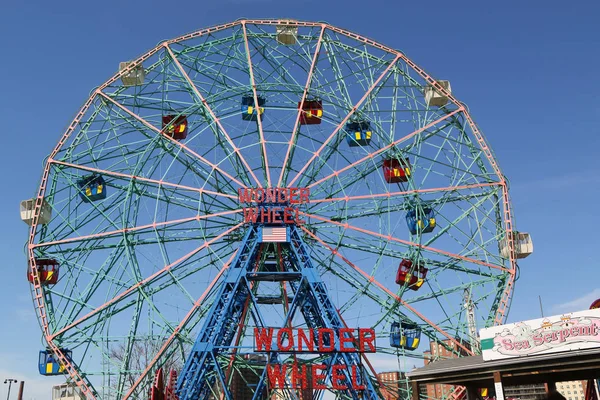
<point x="541" y="308"/>
<point x="498" y="386"/>
<point x="415" y="389"/>
<point x="21" y="387"/>
<point x="550" y="387"/>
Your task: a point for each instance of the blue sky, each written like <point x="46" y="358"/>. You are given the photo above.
<point x="527" y="70"/>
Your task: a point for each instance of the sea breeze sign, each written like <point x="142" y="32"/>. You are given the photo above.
<point x="273" y="205"/>
<point x="574" y="331"/>
<point x="321" y="340"/>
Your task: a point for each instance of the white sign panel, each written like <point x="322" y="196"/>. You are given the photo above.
<point x="499" y="391"/>
<point x="579" y="330"/>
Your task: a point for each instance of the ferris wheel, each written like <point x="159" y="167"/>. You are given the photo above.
<point x="380" y="183"/>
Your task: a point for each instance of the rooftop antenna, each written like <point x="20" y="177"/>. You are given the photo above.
<point x="541" y="308"/>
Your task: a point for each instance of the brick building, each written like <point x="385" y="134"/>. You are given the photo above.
<point x="390" y="382"/>
<point x="437" y="351"/>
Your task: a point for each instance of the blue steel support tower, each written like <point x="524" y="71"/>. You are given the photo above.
<point x="202" y="370"/>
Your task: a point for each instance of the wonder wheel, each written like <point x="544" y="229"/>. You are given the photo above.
<point x="154" y="194"/>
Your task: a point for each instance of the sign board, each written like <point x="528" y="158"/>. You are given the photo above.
<point x="574" y="331"/>
<point x="499" y="391"/>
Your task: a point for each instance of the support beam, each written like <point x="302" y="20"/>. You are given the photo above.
<point x="415" y="389"/>
<point x="498" y="386"/>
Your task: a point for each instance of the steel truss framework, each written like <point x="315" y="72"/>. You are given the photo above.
<point x="146" y="264"/>
<point x="240" y="295"/>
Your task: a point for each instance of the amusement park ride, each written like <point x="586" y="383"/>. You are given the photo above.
<point x="265" y="176"/>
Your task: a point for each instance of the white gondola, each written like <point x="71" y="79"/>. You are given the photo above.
<point x="523" y="245"/>
<point x="27" y="209"/>
<point x="67" y="391"/>
<point x="134" y="77"/>
<point x="435" y="98"/>
<point x="287" y="34"/>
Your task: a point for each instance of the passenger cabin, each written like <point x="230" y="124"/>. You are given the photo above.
<point x="27" y="209"/>
<point x="134" y="77"/>
<point x="92" y="188"/>
<point x="312" y="112"/>
<point x="47" y="271"/>
<point x="249" y="110"/>
<point x="423" y="222"/>
<point x="67" y="391"/>
<point x="435" y="98"/>
<point x="396" y="170"/>
<point x="405" y="336"/>
<point x="175" y="126"/>
<point x="358" y="133"/>
<point x="287" y="34"/>
<point x="413" y="276"/>
<point x="523" y="245"/>
<point x="49" y="364"/>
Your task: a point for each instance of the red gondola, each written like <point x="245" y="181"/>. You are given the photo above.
<point x="395" y="171"/>
<point x="414" y="279"/>
<point x="312" y="112"/>
<point x="175" y="126"/>
<point x="47" y="270"/>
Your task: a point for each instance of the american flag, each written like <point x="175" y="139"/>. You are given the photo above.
<point x="278" y="234"/>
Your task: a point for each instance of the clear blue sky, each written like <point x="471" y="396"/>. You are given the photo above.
<point x="528" y="71"/>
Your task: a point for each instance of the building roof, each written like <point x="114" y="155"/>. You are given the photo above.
<point x="566" y="366"/>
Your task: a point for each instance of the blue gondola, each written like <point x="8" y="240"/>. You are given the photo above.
<point x="423" y="222"/>
<point x="358" y="133"/>
<point x="49" y="364"/>
<point x="92" y="188"/>
<point x="249" y="110"/>
<point x="405" y="336"/>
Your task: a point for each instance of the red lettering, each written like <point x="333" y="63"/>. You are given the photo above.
<point x="287" y="215"/>
<point x="369" y="340"/>
<point x="507" y="343"/>
<point x="294" y="196"/>
<point x="250" y="214"/>
<point x="323" y="348"/>
<point x="548" y="337"/>
<point x="271" y="196"/>
<point x="281" y="336"/>
<point x="310" y="341"/>
<point x="276" y="217"/>
<point x="346" y="337"/>
<point x="537" y="339"/>
<point x="355" y="384"/>
<point x="317" y="378"/>
<point x="245" y="195"/>
<point x="574" y="331"/>
<point x="300" y="374"/>
<point x="298" y="220"/>
<point x="304" y="193"/>
<point x="276" y="374"/>
<point x="564" y="334"/>
<point x="265" y="215"/>
<point x="337" y="377"/>
<point x="282" y="195"/>
<point x="263" y="338"/>
<point x="259" y="195"/>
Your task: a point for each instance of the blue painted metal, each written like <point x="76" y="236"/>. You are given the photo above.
<point x="310" y="298"/>
<point x="421" y="220"/>
<point x="405" y="336"/>
<point x="91" y="188"/>
<point x="49" y="365"/>
<point x="358" y="133"/>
